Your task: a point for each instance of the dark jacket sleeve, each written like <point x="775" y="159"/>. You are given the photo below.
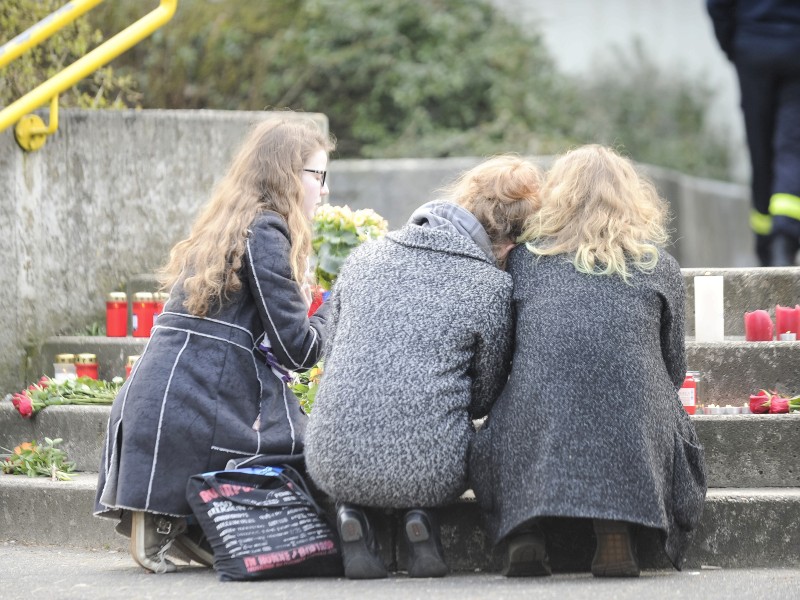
<point x="296" y="340"/>
<point x="492" y="360"/>
<point x="723" y="16"/>
<point x="673" y="322"/>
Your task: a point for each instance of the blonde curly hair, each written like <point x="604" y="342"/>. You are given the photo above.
<point x="502" y="192"/>
<point x="264" y="175"/>
<point x="597" y="208"/>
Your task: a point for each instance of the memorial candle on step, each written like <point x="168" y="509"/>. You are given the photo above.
<point x="787" y="319"/>
<point x="709" y="313"/>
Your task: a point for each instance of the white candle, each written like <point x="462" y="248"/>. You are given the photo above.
<point x="709" y="310"/>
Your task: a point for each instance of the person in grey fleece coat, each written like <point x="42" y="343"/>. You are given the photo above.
<point x="419" y="346"/>
<point x="210" y="385"/>
<point x="590" y="424"/>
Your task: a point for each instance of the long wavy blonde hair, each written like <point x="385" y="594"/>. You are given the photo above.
<point x="264" y="175"/>
<point x="596" y="206"/>
<point x="502" y="193"/>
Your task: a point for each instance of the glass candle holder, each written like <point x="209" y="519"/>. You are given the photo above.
<point x="64" y="368"/>
<point x="86" y="365"/>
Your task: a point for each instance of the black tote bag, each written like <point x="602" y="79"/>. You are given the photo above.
<point x="262" y="523"/>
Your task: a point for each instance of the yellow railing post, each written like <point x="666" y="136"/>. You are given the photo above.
<point x="38" y="33"/>
<point x="99" y="57"/>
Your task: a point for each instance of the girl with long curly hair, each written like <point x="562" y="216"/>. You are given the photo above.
<point x="210" y="385"/>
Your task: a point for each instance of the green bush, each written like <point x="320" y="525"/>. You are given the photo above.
<point x="416" y="79"/>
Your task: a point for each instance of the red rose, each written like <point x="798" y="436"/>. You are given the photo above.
<point x="760" y="403"/>
<point x="25" y="407"/>
<point x="778" y="405"/>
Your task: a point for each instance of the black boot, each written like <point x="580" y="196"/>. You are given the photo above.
<point x="783" y="250"/>
<point x="526" y="555"/>
<point x="425" y="555"/>
<point x="360" y="551"/>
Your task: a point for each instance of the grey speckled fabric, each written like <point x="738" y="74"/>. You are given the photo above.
<point x="590" y="424"/>
<point x="419" y="343"/>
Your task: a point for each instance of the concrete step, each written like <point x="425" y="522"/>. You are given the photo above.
<point x="82" y="429"/>
<point x="112" y="353"/>
<point x="746" y="290"/>
<point x="755" y="527"/>
<point x="734" y="369"/>
<point x="741" y="450"/>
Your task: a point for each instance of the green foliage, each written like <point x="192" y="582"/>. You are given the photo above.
<point x="305" y="386"/>
<point x="33" y="460"/>
<point x="103" y="89"/>
<point x="421" y="79"/>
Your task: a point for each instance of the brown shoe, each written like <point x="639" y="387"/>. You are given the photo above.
<point x="614" y="555"/>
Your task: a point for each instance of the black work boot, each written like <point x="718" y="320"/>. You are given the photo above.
<point x="783" y="250"/>
<point x="360" y="551"/>
<point x="526" y="555"/>
<point x="425" y="555"/>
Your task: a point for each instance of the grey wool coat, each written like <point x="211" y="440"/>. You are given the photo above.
<point x="201" y="393"/>
<point x="419" y="345"/>
<point x="590" y="424"/>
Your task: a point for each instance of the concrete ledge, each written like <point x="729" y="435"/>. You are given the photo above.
<point x="734" y="369"/>
<point x="83" y="429"/>
<point x="741" y="450"/>
<point x="746" y="290"/>
<point x="740" y="528"/>
<point x="749" y="451"/>
<point x="112" y="352"/>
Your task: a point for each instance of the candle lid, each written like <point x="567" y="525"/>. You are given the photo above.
<point x="143" y="297"/>
<point x="117" y="297"/>
<point x="65" y="359"/>
<point x="86" y="359"/>
<point x="132" y="359"/>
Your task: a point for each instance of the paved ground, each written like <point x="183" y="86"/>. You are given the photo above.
<point x="58" y="573"/>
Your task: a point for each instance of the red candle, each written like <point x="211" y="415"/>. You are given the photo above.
<point x="787" y="319"/>
<point x="757" y="326"/>
<point x="117" y="315"/>
<point x="143" y="308"/>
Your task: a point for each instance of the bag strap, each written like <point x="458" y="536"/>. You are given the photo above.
<point x="291" y="475"/>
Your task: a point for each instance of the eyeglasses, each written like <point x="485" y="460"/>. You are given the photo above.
<point x="323" y="173"/>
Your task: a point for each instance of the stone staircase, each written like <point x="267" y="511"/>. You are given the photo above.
<point x="753" y="504"/>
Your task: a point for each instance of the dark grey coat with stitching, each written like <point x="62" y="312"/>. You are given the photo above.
<point x="419" y="344"/>
<point x="201" y="393"/>
<point x="590" y="424"/>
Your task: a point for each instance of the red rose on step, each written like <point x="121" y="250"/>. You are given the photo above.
<point x="760" y="403"/>
<point x="778" y="405"/>
<point x="24" y="406"/>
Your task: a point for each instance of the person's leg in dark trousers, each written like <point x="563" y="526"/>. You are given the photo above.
<point x="757" y="85"/>
<point x="785" y="202"/>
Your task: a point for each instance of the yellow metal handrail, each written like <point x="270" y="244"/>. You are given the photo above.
<point x="30" y="131"/>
